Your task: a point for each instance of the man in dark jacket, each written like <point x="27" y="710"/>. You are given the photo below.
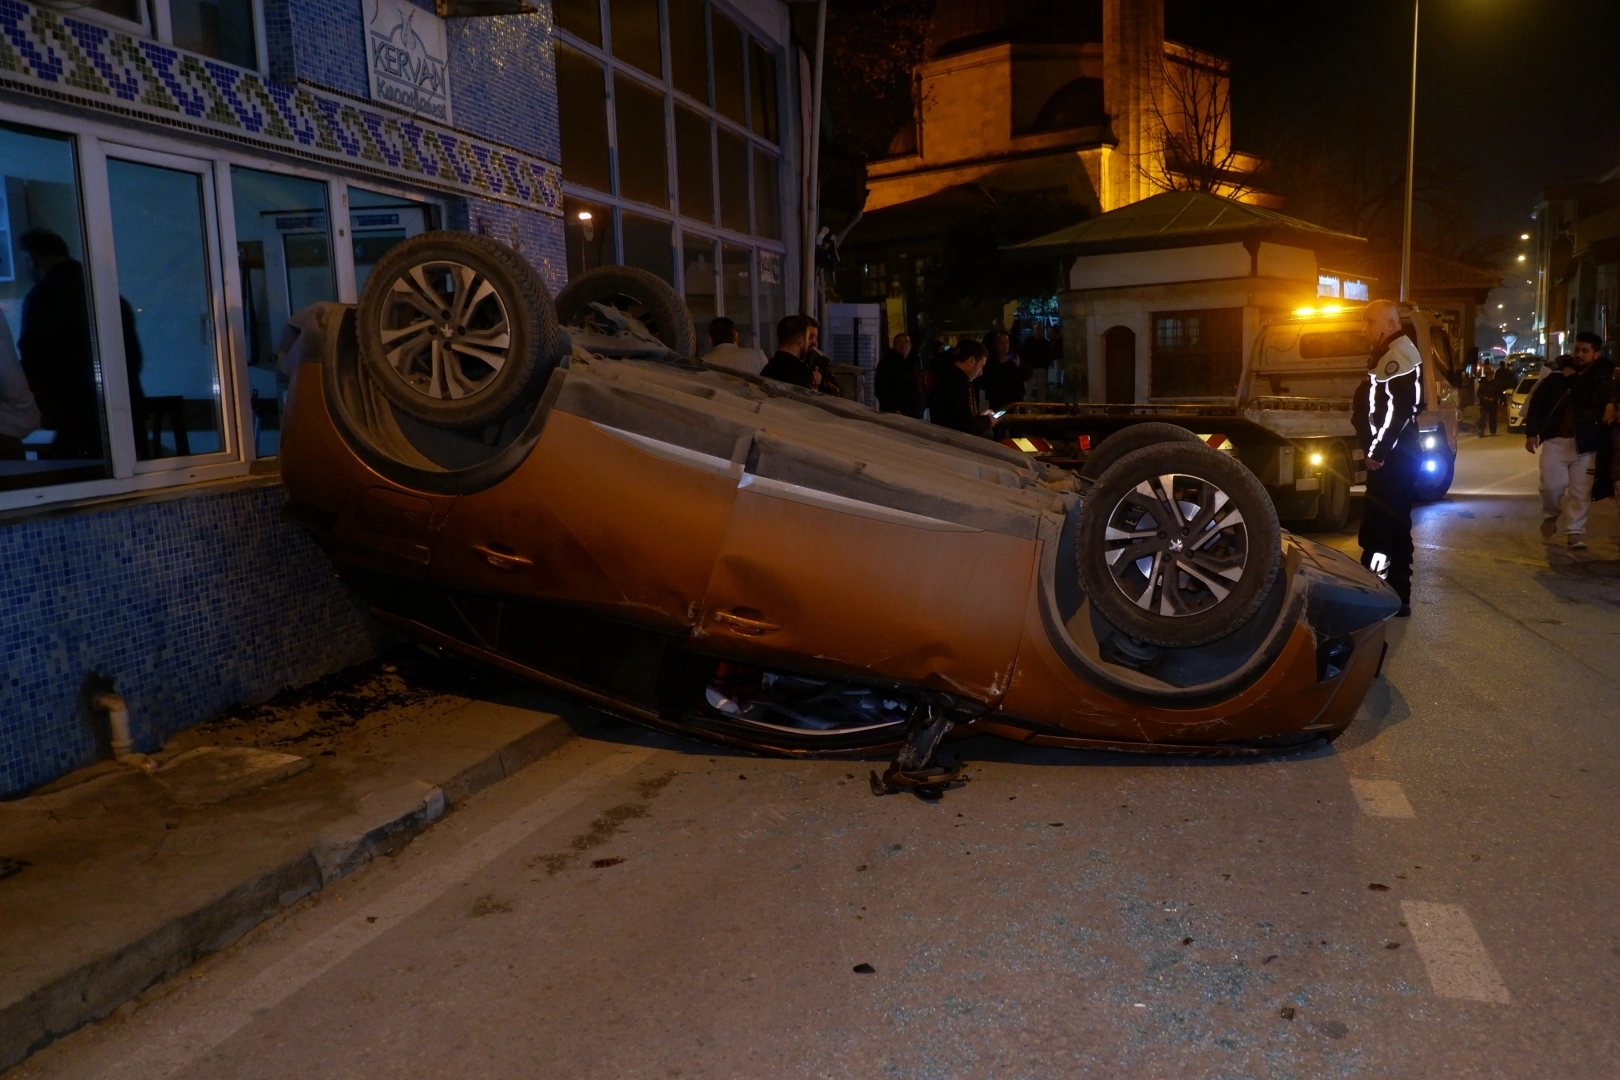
<point x="1003" y="378"/>
<point x="1564" y="420"/>
<point x="955" y="403"/>
<point x="1385" y="413"/>
<point x="55" y="346"/>
<point x="789" y="364"/>
<point x="898" y="380"/>
<point x="1490" y="401"/>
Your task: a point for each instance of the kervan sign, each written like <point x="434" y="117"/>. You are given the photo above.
<point x="405" y="57"/>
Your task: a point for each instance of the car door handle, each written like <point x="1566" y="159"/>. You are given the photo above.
<point x="745" y="621"/>
<point x="502" y="557"/>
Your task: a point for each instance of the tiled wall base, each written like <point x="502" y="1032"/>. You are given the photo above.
<point x="187" y="604"/>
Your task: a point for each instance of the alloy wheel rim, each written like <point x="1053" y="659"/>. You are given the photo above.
<point x="445" y="330"/>
<point x="1176" y="545"/>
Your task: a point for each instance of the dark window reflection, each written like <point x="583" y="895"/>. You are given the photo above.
<point x="588" y="231"/>
<point x="582" y="101"/>
<point x="728" y="67"/>
<point x="643" y="163"/>
<point x="222" y="29"/>
<point x="581" y="18"/>
<point x="762" y="91"/>
<point x="733" y="181"/>
<point x="647" y="245"/>
<point x="694" y="162"/>
<point x="767" y="196"/>
<point x="689" y="49"/>
<point x="635" y="34"/>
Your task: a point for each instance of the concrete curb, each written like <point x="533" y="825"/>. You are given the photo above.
<point x="385" y="820"/>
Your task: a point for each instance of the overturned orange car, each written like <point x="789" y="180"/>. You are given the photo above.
<point x="581" y="504"/>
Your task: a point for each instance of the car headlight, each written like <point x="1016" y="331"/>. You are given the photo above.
<point x="1428" y="442"/>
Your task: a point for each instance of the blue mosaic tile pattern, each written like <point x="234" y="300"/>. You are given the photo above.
<point x="190" y="605"/>
<point x="537" y="237"/>
<point x="503" y="80"/>
<point x="45" y="53"/>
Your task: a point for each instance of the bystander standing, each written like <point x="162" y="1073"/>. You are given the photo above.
<point x="1564" y="421"/>
<point x="955" y="401"/>
<point x="898" y="381"/>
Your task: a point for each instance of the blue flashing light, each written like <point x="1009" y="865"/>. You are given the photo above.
<point x="1431" y="465"/>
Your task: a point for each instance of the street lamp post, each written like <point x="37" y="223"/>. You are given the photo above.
<point x="1411" y="144"/>
<point x="812" y="187"/>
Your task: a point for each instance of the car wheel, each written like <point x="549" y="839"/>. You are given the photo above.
<point x="1333" y="503"/>
<point x="1178" y="545"/>
<point x="457" y="329"/>
<point x="647" y="297"/>
<point x="1135" y="437"/>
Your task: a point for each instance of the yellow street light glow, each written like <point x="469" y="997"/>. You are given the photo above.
<point x="1521" y="258"/>
<point x="584" y="215"/>
<point x="1333" y="309"/>
<point x="1305" y="311"/>
<point x="1316" y="459"/>
<point x="1498" y="307"/>
<point x="1524" y="236"/>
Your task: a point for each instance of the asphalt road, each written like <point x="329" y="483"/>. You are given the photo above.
<point x="1432" y="896"/>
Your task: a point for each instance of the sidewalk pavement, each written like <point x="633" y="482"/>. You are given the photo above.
<point x="113" y="878"/>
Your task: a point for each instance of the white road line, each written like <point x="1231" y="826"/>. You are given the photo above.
<point x="1458" y="965"/>
<point x="1382" y="798"/>
<point x="173" y="1050"/>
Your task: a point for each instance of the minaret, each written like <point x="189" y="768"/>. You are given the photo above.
<point x="1133" y="77"/>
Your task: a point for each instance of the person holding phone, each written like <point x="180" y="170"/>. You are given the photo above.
<point x="955" y="401"/>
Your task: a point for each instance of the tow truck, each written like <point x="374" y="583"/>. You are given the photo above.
<point x="1289" y="421"/>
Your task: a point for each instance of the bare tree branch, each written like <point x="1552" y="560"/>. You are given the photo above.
<point x="1189" y="145"/>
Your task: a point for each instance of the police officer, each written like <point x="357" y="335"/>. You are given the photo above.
<point x="1385" y="414"/>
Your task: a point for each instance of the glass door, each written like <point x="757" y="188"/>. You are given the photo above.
<point x="169" y="289"/>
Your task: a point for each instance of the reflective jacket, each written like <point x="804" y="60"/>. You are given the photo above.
<point x="1385" y="411"/>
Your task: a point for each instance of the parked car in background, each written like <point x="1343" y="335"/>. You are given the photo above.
<point x="1519" y="399"/>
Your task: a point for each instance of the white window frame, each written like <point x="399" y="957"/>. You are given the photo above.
<point x="230" y="435"/>
<point x="157" y="23"/>
<point x="94" y="141"/>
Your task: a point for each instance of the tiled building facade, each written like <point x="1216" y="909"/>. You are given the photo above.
<point x="177" y="177"/>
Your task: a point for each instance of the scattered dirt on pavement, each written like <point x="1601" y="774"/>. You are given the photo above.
<point x="606" y="824"/>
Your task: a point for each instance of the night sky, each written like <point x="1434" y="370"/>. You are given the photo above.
<point x="1522" y="93"/>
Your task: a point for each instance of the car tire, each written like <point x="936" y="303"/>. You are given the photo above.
<point x="1127" y="440"/>
<point x="1227" y="574"/>
<point x="647" y="297"/>
<point x="454" y="368"/>
<point x="1333" y="502"/>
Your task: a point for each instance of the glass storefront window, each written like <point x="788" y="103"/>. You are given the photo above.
<point x="52" y="415"/>
<point x="581" y="97"/>
<point x="767" y="197"/>
<point x="733" y="181"/>
<point x="643" y="159"/>
<point x="697" y="255"/>
<point x="588" y="234"/>
<point x="737" y="264"/>
<point x="124" y="9"/>
<point x="762" y="116"/>
<point x="694" y="164"/>
<point x="377" y="222"/>
<point x="647" y="245"/>
<point x="160" y="242"/>
<point x="582" y="18"/>
<point x="689" y="48"/>
<point x="222" y="29"/>
<point x="728" y="67"/>
<point x="772" y="293"/>
<point x="635" y="34"/>
<point x="284" y="255"/>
